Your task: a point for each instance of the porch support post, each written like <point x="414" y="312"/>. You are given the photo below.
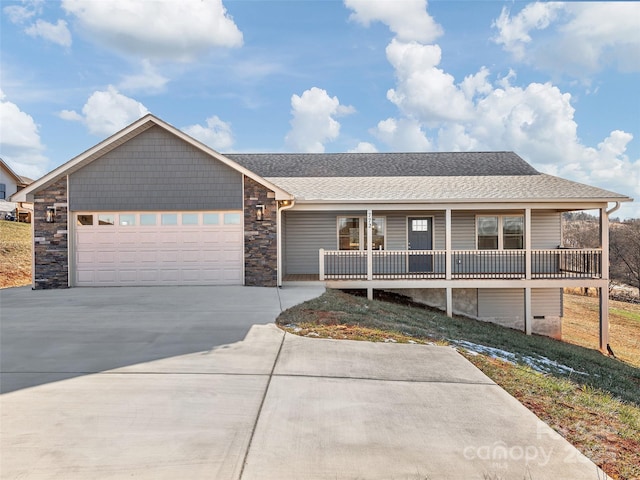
<point x="603" y="291"/>
<point x="321" y="264"/>
<point x="449" y="302"/>
<point x="369" y="245"/>
<point x="527" y="242"/>
<point x="447" y="247"/>
<point x="604" y="242"/>
<point x="528" y="314"/>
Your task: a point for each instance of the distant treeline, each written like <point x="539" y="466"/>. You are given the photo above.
<point x="582" y="230"/>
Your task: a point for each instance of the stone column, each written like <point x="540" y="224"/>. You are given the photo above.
<point x="260" y="236"/>
<point x="50" y="240"/>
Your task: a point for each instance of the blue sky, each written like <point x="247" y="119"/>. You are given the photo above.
<point x="555" y="82"/>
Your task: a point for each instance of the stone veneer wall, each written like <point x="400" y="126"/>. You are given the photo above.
<point x="50" y="240"/>
<point x="260" y="238"/>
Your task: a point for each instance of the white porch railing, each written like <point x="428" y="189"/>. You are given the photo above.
<point x="465" y="264"/>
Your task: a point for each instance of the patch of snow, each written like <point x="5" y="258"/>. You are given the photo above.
<point x="538" y="363"/>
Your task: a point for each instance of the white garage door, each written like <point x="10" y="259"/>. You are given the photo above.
<point x="158" y="248"/>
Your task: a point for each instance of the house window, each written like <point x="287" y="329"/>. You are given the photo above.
<point x="147" y="219"/>
<point x="500" y="232"/>
<point x="85" y="219"/>
<point x="3" y="191"/>
<point x="189" y="219"/>
<point x="127" y="219"/>
<point x="106" y="219"/>
<point x="169" y="219"/>
<point x="352" y="233"/>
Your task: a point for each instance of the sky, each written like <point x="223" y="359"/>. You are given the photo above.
<point x="555" y="82"/>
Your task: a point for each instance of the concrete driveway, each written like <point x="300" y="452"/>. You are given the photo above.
<point x="193" y="382"/>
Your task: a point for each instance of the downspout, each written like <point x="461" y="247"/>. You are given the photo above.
<point x="613" y="209"/>
<point x="280" y="210"/>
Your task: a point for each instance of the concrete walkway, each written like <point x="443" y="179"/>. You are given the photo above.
<point x="271" y="406"/>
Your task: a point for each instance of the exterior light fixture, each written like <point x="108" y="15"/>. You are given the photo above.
<point x="51" y="215"/>
<point x="259" y="213"/>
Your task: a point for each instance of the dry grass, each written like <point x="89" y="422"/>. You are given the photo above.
<point x="15" y="254"/>
<point x="580" y="326"/>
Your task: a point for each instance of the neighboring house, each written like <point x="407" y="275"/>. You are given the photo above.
<point x="472" y="233"/>
<point x="10" y="183"/>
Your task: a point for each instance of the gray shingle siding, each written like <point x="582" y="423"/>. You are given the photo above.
<point x="384" y="164"/>
<point x="155" y="171"/>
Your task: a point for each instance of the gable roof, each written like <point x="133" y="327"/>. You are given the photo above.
<point x="19" y="180"/>
<point x="124" y="135"/>
<point x="426" y="164"/>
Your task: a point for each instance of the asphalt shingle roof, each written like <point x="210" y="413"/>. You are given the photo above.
<point x="415" y="177"/>
<point x="431" y="164"/>
<point x="410" y="189"/>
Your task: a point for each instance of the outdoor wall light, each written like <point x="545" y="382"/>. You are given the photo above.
<point x="259" y="213"/>
<point x="51" y="215"/>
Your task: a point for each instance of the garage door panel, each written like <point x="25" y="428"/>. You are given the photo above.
<point x="147" y="237"/>
<point x="106" y="238"/>
<point x="137" y="254"/>
<point x="128" y="238"/>
<point x="148" y="276"/>
<point x="190" y="256"/>
<point x="107" y="276"/>
<point x="128" y="257"/>
<point x="127" y="276"/>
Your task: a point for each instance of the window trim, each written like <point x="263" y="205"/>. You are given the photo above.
<point x="362" y="226"/>
<point x="500" y="217"/>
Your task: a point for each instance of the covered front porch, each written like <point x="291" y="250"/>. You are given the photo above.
<point x="374" y="249"/>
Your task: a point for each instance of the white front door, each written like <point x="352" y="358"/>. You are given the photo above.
<point x="158" y="248"/>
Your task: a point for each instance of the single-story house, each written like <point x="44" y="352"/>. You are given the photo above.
<point x="10" y="183"/>
<point x="475" y="233"/>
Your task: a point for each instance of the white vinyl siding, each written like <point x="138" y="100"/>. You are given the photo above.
<point x="546" y="302"/>
<point x="305" y="235"/>
<point x="546" y="231"/>
<point x="501" y="303"/>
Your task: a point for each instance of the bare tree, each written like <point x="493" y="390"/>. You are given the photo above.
<point x="625" y="252"/>
<point x="580" y="230"/>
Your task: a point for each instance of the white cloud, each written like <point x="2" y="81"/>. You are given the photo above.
<point x="313" y="123"/>
<point x="148" y="80"/>
<point x="513" y="32"/>
<point x="535" y="120"/>
<point x="403" y="135"/>
<point x="408" y="19"/>
<point x="57" y="33"/>
<point x="581" y="38"/>
<point x="166" y="29"/>
<point x="21" y="13"/>
<point x="70" y="115"/>
<point x="216" y="134"/>
<point x="20" y="144"/>
<point x="423" y="90"/>
<point x="107" y="111"/>
<point x="364" y="147"/>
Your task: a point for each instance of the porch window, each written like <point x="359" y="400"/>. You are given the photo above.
<point x="352" y="233"/>
<point x="500" y="232"/>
